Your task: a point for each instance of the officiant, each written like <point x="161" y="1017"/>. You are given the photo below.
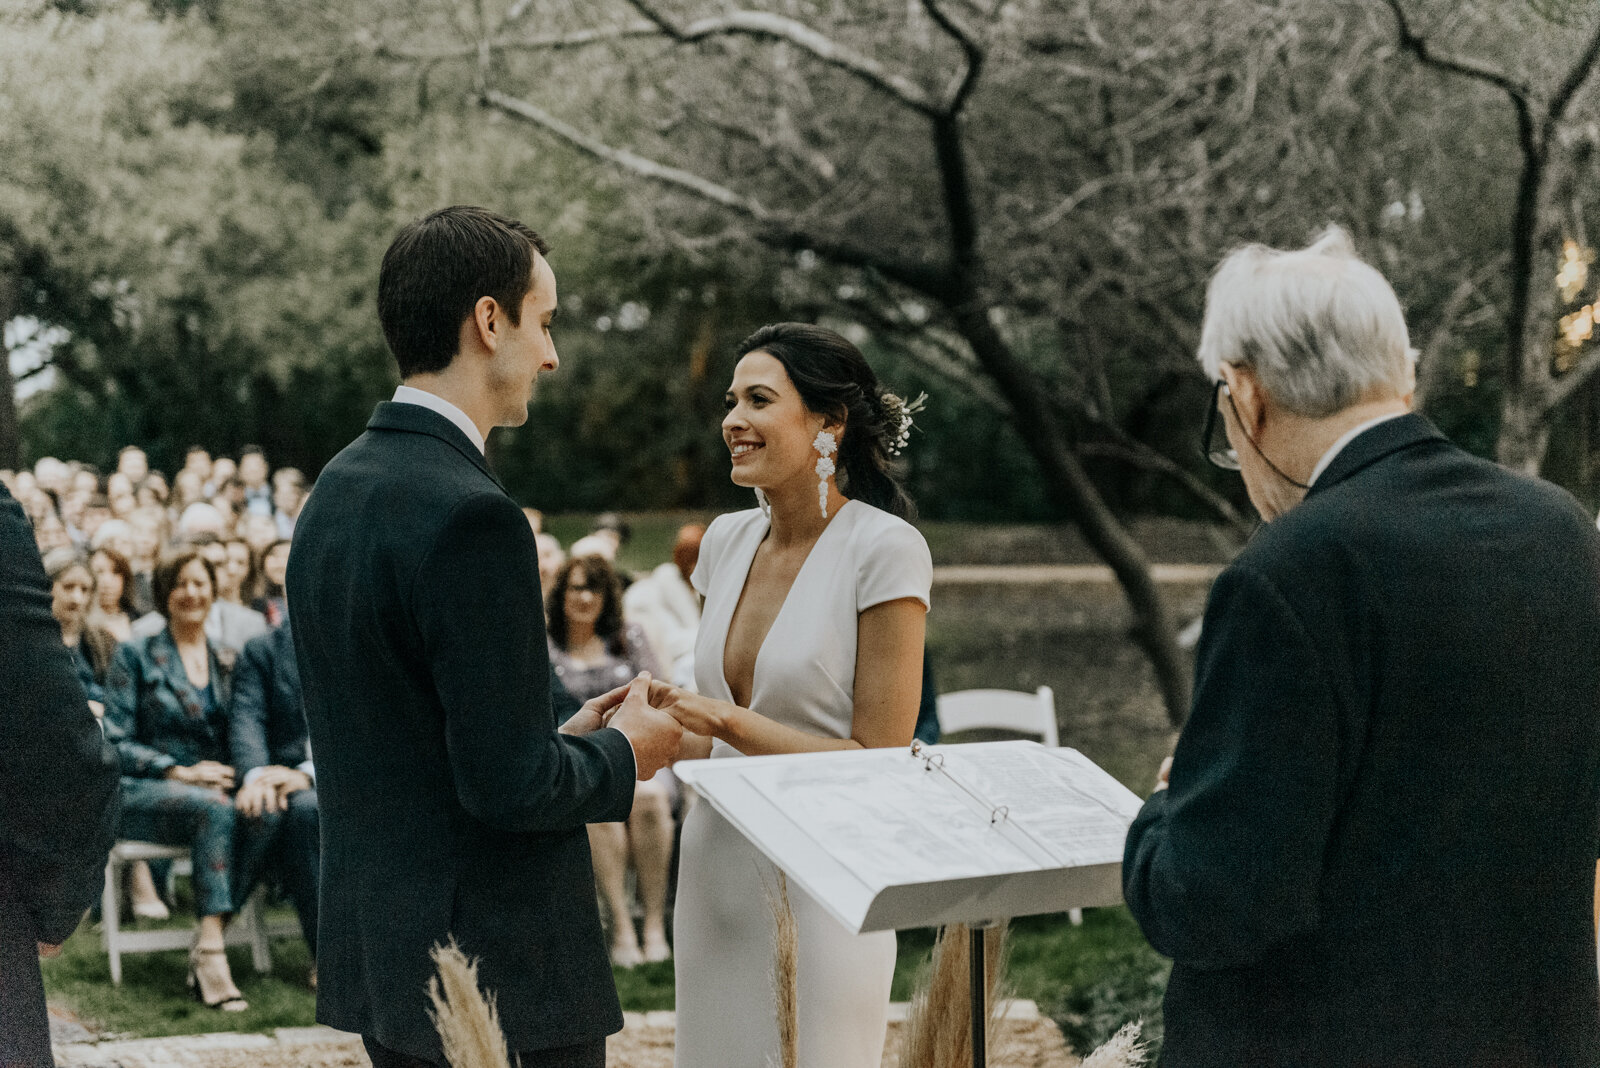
<point x="1378" y="843"/>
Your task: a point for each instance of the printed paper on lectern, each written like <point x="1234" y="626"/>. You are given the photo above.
<point x="886" y="839"/>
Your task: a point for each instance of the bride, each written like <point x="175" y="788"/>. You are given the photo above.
<point x="811" y="640"/>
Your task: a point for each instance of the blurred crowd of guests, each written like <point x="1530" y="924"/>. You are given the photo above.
<point x="170" y="597"/>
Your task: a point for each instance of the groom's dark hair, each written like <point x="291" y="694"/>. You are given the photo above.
<point x="435" y="271"/>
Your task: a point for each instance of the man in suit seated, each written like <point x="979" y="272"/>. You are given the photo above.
<point x="1378" y="843"/>
<point x="272" y="758"/>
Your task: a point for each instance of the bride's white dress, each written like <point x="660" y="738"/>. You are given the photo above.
<point x="804" y="677"/>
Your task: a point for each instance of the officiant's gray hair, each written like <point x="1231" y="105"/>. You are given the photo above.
<point x="1320" y="328"/>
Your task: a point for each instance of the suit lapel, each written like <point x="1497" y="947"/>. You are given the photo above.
<point x="1372" y="445"/>
<point x="415" y="419"/>
<point x="164" y="654"/>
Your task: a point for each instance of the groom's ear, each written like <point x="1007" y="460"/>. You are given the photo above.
<point x="483" y="328"/>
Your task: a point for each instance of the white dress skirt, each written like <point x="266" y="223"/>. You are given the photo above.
<point x="804" y="677"/>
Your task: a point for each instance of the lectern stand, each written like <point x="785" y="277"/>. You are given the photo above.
<point x="884" y="839"/>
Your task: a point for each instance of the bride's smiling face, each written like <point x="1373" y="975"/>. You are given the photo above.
<point x="768" y="428"/>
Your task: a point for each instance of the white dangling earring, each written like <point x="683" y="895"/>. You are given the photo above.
<point x="825" y="444"/>
<point x="761" y="499"/>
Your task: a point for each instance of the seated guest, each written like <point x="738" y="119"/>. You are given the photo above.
<point x="667" y="608"/>
<point x="551" y="557"/>
<point x="272" y="603"/>
<point x="591" y="652"/>
<point x="229" y="624"/>
<point x="272" y="758"/>
<point x="113" y="609"/>
<point x="1377" y="842"/>
<point x="91" y="646"/>
<point x="257" y="494"/>
<point x="288" y="497"/>
<point x="166" y="712"/>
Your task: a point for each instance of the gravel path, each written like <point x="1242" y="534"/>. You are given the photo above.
<point x="1025" y="1040"/>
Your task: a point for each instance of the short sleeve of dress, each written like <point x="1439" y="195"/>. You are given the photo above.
<point x="894" y="564"/>
<point x="706" y="563"/>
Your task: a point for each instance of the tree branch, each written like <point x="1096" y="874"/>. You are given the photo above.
<point x="1466" y="67"/>
<point x="771" y="228"/>
<point x="963" y="36"/>
<point x="778" y="27"/>
<point x="550" y="43"/>
<point x="1573" y="81"/>
<point x="1559" y="390"/>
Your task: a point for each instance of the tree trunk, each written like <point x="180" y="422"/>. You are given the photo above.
<point x="10" y="431"/>
<point x="1042" y="432"/>
<point x="1524" y="433"/>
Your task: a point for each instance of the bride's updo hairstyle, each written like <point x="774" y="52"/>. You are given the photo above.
<point x="834" y="380"/>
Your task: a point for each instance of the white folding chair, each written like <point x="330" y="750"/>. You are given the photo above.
<point x="1004" y="710"/>
<point x="247" y="927"/>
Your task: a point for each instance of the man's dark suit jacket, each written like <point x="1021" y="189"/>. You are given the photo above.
<point x="450" y="805"/>
<point x="267" y="723"/>
<point x="1379" y="843"/>
<point x="59" y="787"/>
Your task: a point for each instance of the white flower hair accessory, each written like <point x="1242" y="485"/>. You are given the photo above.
<point x="900" y="412"/>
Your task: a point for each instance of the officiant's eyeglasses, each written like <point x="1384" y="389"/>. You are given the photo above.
<point x="1214" y="444"/>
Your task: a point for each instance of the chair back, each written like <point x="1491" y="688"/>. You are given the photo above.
<point x="1007" y="710"/>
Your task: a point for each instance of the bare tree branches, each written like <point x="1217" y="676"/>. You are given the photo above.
<point x="771" y="228"/>
<point x="1465" y="66"/>
<point x="958" y="30"/>
<point x="809" y="40"/>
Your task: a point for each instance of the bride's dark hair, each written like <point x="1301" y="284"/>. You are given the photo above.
<point x="835" y="380"/>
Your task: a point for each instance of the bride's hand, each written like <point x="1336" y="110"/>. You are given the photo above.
<point x="594" y="713"/>
<point x="697" y="714"/>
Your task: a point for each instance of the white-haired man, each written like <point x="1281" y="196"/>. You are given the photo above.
<point x="1378" y="843"/>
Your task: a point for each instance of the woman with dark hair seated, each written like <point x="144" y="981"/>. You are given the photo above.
<point x="167" y="714"/>
<point x="72" y="589"/>
<point x="114" y="606"/>
<point x="592" y="652"/>
<point x="272" y="567"/>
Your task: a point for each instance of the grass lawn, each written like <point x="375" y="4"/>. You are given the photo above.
<point x="1091" y="979"/>
<point x="1073" y="638"/>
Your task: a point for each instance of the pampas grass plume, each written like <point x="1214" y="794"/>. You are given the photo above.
<point x="468" y="1025"/>
<point x="1121" y="1050"/>
<point x="939" y="1027"/>
<point x="785" y="972"/>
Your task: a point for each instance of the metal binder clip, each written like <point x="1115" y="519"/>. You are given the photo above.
<point x="917" y="747"/>
<point x="999" y="814"/>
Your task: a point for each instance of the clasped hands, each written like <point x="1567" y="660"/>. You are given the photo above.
<point x="653" y="715"/>
<point x="266" y="792"/>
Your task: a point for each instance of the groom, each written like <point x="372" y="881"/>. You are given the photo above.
<point x="452" y="805"/>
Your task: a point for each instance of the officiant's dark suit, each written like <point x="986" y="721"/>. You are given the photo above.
<point x="58" y="792"/>
<point x="1378" y="846"/>
<point x="450" y="805"/>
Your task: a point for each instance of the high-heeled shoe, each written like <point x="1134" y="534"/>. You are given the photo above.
<point x="226" y="1003"/>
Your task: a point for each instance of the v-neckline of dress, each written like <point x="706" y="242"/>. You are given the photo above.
<point x="755" y="665"/>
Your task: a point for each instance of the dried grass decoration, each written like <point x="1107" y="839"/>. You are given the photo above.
<point x="1121" y="1050"/>
<point x="939" y="1028"/>
<point x="468" y="1025"/>
<point x="785" y="973"/>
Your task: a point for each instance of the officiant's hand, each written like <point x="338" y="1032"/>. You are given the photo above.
<point x="595" y="711"/>
<point x="653" y="734"/>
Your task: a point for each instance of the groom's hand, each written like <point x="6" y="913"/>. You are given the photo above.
<point x="595" y="711"/>
<point x="653" y="734"/>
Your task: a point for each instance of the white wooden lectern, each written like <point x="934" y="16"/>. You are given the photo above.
<point x="886" y="839"/>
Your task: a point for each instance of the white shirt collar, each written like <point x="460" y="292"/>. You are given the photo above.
<point x="434" y="402"/>
<point x="1349" y="435"/>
